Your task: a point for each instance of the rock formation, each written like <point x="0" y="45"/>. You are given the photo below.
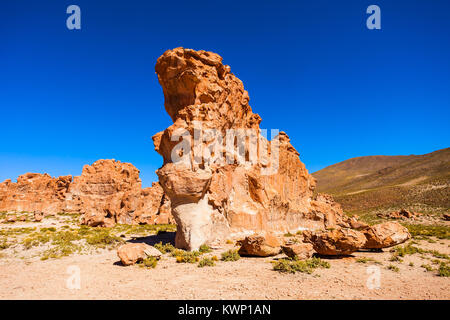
<point x="34" y="192"/>
<point x="109" y="192"/>
<point x="154" y="206"/>
<point x="106" y="193"/>
<point x="385" y="235"/>
<point x="266" y="190"/>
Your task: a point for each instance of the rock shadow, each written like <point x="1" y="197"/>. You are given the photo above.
<point x="164" y="237"/>
<point x="335" y="257"/>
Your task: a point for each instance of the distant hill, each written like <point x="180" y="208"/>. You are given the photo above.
<point x="383" y="182"/>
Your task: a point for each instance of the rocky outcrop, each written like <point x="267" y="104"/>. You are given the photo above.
<point x="341" y="241"/>
<point x="223" y="177"/>
<point x="154" y="206"/>
<point x="260" y="246"/>
<point x="385" y="235"/>
<point x="106" y="193"/>
<point x="34" y="192"/>
<point x="109" y="192"/>
<point x="131" y="253"/>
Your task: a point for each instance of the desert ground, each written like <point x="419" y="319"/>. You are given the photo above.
<point x="36" y="259"/>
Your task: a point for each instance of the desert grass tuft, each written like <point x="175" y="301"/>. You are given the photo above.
<point x="419" y="231"/>
<point x="206" y="262"/>
<point x="230" y="255"/>
<point x="427" y="267"/>
<point x="182" y="256"/>
<point x="393" y="268"/>
<point x="149" y="262"/>
<point x="289" y="265"/>
<point x="444" y="270"/>
<point x="164" y="248"/>
<point x="204" y="248"/>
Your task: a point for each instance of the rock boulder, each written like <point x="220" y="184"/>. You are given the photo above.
<point x="260" y="246"/>
<point x="301" y="251"/>
<point x="131" y="253"/>
<point x="385" y="235"/>
<point x="341" y="241"/>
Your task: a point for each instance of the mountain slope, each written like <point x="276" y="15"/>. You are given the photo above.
<point x="381" y="182"/>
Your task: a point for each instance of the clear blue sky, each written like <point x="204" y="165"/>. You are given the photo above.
<point x="312" y="69"/>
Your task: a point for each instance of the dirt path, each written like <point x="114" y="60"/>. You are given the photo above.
<point x="102" y="277"/>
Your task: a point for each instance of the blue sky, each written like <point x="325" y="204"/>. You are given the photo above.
<point x="312" y="69"/>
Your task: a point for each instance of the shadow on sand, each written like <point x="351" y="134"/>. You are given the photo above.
<point x="162" y="236"/>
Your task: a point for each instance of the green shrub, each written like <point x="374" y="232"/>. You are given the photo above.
<point x="289" y="265"/>
<point x="396" y="258"/>
<point x="61" y="250"/>
<point x="418" y="230"/>
<point x="4" y="245"/>
<point x="439" y="255"/>
<point x="408" y="249"/>
<point x="206" y="262"/>
<point x="103" y="239"/>
<point x="427" y="267"/>
<point x="230" y="255"/>
<point x="65" y="242"/>
<point x="35" y="240"/>
<point x="149" y="262"/>
<point x="444" y="270"/>
<point x="364" y="260"/>
<point x="186" y="256"/>
<point x="204" y="248"/>
<point x="164" y="248"/>
<point x="393" y="268"/>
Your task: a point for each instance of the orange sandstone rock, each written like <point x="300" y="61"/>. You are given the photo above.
<point x="106" y="193"/>
<point x="212" y="199"/>
<point x="341" y="241"/>
<point x="260" y="246"/>
<point x="301" y="251"/>
<point x="384" y="235"/>
<point x="34" y="192"/>
<point x="131" y="253"/>
<point x="109" y="192"/>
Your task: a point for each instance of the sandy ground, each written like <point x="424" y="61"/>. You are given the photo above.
<point x="103" y="277"/>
